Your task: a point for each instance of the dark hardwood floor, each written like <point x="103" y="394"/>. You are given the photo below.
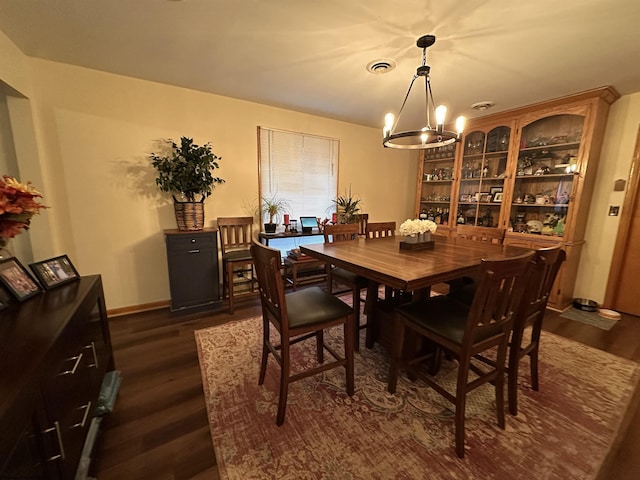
<point x="159" y="426"/>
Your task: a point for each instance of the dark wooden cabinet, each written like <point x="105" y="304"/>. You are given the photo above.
<point x="192" y="257"/>
<point x="55" y="349"/>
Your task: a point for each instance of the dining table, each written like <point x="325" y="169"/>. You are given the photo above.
<point x="412" y="272"/>
<point x="381" y="260"/>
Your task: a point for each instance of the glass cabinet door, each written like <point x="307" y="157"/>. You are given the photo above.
<point x="483" y="171"/>
<point x="437" y="182"/>
<point x="548" y="160"/>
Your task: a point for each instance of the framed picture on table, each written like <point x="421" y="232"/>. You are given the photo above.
<point x="497" y="197"/>
<point x="17" y="279"/>
<point x="55" y="271"/>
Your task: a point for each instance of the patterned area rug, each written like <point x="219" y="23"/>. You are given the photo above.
<point x="562" y="432"/>
<point x="589" y="318"/>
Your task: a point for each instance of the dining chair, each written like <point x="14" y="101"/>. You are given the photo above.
<point x="480" y="234"/>
<point x="344" y="233"/>
<point x="380" y="229"/>
<point x="527" y="323"/>
<point x="236" y="234"/>
<point x="362" y="221"/>
<point x="470" y="233"/>
<point x="464" y="332"/>
<point x="546" y="264"/>
<point x="298" y="316"/>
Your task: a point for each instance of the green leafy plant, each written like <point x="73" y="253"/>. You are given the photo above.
<point x="187" y="170"/>
<point x="273" y="206"/>
<point x="347" y="206"/>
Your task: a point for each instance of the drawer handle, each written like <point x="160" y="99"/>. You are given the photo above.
<point x="56" y="428"/>
<point x="194" y="251"/>
<point x="75" y="366"/>
<point x="86" y="407"/>
<point x="92" y="346"/>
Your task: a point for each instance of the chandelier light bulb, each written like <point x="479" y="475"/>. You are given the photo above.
<point x="460" y="122"/>
<point x="389" y="118"/>
<point x="441" y="113"/>
<point x="423" y="138"/>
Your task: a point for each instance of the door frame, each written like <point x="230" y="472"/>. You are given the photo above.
<point x="622" y="239"/>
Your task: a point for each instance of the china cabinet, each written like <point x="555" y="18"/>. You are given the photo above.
<point x="530" y="170"/>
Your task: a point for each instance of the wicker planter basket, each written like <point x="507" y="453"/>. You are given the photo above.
<point x="189" y="215"/>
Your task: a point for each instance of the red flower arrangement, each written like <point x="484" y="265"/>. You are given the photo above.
<point x="17" y="205"/>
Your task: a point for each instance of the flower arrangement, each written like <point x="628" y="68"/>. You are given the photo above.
<point x="17" y="205"/>
<point x="411" y="228"/>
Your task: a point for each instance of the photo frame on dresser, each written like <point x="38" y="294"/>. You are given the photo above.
<point x="54" y="272"/>
<point x="17" y="280"/>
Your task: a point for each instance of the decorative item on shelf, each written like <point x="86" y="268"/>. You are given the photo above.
<point x="427" y="135"/>
<point x="417" y="234"/>
<point x="271" y="207"/>
<point x="185" y="170"/>
<point x="18" y="205"/>
<point x="347" y="206"/>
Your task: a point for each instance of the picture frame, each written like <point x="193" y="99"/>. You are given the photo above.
<point x="485" y="197"/>
<point x="17" y="279"/>
<point x="465" y="198"/>
<point x="497" y="198"/>
<point x="55" y="271"/>
<point x="494" y="190"/>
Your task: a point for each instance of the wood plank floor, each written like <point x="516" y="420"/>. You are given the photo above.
<point x="159" y="427"/>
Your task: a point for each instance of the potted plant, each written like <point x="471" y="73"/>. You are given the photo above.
<point x="186" y="172"/>
<point x="347" y="206"/>
<point x="272" y="207"/>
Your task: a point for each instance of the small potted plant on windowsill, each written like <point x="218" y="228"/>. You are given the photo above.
<point x="272" y="207"/>
<point x="186" y="172"/>
<point x="347" y="206"/>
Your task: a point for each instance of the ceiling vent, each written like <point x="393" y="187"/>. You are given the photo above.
<point x="381" y="66"/>
<point x="482" y="106"/>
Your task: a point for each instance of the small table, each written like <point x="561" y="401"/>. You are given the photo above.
<point x="265" y="237"/>
<point x="302" y="270"/>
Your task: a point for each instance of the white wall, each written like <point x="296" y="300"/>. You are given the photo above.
<point x="615" y="163"/>
<point x="88" y="152"/>
<point x="95" y="132"/>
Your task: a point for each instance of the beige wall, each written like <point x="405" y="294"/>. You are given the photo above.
<point x="615" y="163"/>
<point x="95" y="132"/>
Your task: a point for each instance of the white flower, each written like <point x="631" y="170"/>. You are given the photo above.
<point x="411" y="228"/>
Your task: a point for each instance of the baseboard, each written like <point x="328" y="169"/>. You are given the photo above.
<point x="145" y="307"/>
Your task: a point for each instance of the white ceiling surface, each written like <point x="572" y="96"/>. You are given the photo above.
<point x="310" y="55"/>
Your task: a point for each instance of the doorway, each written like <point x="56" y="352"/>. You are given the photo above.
<point x="622" y="289"/>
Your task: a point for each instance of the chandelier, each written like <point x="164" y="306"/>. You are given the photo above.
<point x="427" y="136"/>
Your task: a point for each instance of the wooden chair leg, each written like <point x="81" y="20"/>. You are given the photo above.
<point x="265" y="352"/>
<point x="514" y="362"/>
<point x="461" y="404"/>
<point x="284" y="382"/>
<point x="230" y="286"/>
<point x="356" y="309"/>
<point x="320" y="346"/>
<point x="533" y="354"/>
<point x="349" y="328"/>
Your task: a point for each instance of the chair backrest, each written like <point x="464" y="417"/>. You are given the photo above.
<point x="381" y="229"/>
<point x="340" y="232"/>
<point x="363" y="220"/>
<point x="545" y="265"/>
<point x="236" y="233"/>
<point x="267" y="263"/>
<point x="498" y="296"/>
<point x="480" y="234"/>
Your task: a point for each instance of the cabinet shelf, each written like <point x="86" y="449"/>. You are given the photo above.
<point x="552" y="148"/>
<point x="541" y="205"/>
<point x="437" y="181"/>
<point x="547" y="175"/>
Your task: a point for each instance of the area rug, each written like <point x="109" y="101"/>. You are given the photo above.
<point x="589" y="318"/>
<point x="564" y="431"/>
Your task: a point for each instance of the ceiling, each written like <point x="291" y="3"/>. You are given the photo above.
<point x="310" y="56"/>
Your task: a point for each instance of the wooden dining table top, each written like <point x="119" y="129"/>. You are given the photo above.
<point x="381" y="260"/>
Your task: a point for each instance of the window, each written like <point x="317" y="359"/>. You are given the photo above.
<point x="299" y="168"/>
